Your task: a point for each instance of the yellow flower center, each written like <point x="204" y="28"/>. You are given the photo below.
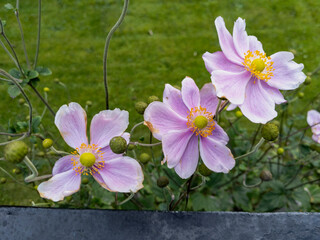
<point x="259" y="65"/>
<point x="87" y="159"/>
<point x="90" y="159"/>
<point x="200" y="121"/>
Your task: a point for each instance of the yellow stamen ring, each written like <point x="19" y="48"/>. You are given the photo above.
<point x="200" y="121"/>
<point x="259" y="65"/>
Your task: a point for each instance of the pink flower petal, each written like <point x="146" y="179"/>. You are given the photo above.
<point x="226" y="42"/>
<point x="215" y="155"/>
<point x="63" y="164"/>
<point x="108" y="124"/>
<point x="316" y="138"/>
<point x="208" y="98"/>
<point x="287" y="74"/>
<point x="258" y="106"/>
<point x="313" y="119"/>
<point x="72" y="123"/>
<point x="232" y="107"/>
<point x="274" y="93"/>
<point x="60" y="185"/>
<point x="255" y="44"/>
<point x="174" y="144"/>
<point x="218" y="61"/>
<point x="172" y="97"/>
<point x="161" y="119"/>
<point x="231" y="85"/>
<point x="218" y="134"/>
<point x="190" y="93"/>
<point x="240" y="37"/>
<point x="189" y="160"/>
<point x="123" y="174"/>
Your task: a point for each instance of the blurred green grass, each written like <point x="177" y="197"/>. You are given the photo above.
<point x="139" y="63"/>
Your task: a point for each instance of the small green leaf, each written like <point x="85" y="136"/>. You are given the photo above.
<point x="44" y="71"/>
<point x="13" y="91"/>
<point x="8" y="6"/>
<point x="202" y="202"/>
<point x="32" y="74"/>
<point x="35" y="124"/>
<point x="15" y="73"/>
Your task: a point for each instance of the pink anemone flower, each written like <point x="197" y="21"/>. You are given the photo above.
<point x="247" y="77"/>
<point x="313" y="120"/>
<point x="184" y="123"/>
<point x="114" y="172"/>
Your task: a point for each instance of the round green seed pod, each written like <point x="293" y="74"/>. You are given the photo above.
<point x="21" y="101"/>
<point x="131" y="146"/>
<point x="239" y="114"/>
<point x="140" y="107"/>
<point x="15" y="151"/>
<point x="85" y="180"/>
<point x="144" y="158"/>
<point x="152" y="99"/>
<point x="118" y="145"/>
<point x="266" y="175"/>
<point x="3" y="180"/>
<point x="40" y="154"/>
<point x="204" y="171"/>
<point x="280" y="151"/>
<point x="16" y="171"/>
<point x="47" y="143"/>
<point x="162" y="181"/>
<point x="300" y="95"/>
<point x="89" y="103"/>
<point x="270" y="131"/>
<point x="307" y="81"/>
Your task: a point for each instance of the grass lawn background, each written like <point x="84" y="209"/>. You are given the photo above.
<point x="139" y="63"/>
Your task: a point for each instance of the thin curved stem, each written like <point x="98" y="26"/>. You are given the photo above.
<point x="127" y="199"/>
<point x="33" y="169"/>
<point x="8" y="52"/>
<point x="217" y="110"/>
<point x="256" y="147"/>
<point x="16" y="12"/>
<point x="38" y="36"/>
<point x="59" y="152"/>
<point x="145" y="144"/>
<point x="15" y="180"/>
<point x="250" y="186"/>
<point x="113" y="29"/>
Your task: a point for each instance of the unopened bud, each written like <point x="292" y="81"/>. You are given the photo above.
<point x="152" y="99"/>
<point x="118" y="145"/>
<point x="131" y="146"/>
<point x="239" y="114"/>
<point x="140" y="107"/>
<point x="280" y="151"/>
<point x="162" y="181"/>
<point x="46" y="89"/>
<point x="3" y="180"/>
<point x="204" y="171"/>
<point x="47" y="143"/>
<point x="270" y="132"/>
<point x="266" y="175"/>
<point x="15" y="151"/>
<point x="89" y="103"/>
<point x="56" y="80"/>
<point x="301" y="94"/>
<point x="144" y="158"/>
<point x="21" y="101"/>
<point x="41" y="154"/>
<point x="16" y="171"/>
<point x="85" y="180"/>
<point x="307" y="81"/>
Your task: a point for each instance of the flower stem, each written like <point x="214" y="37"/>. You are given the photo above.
<point x="255" y="148"/>
<point x="113" y="29"/>
<point x="33" y="169"/>
<point x="38" y="37"/>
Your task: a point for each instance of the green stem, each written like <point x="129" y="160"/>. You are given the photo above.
<point x="256" y="147"/>
<point x="33" y="169"/>
<point x="113" y="29"/>
<point x="38" y="36"/>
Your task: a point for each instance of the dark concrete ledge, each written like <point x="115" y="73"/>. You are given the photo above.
<point x="44" y="223"/>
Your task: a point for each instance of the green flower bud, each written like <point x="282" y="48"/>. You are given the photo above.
<point x="162" y="181"/>
<point x="131" y="146"/>
<point x="301" y="94"/>
<point x="41" y="154"/>
<point x="35" y="187"/>
<point x="16" y="171"/>
<point x="276" y="122"/>
<point x="3" y="180"/>
<point x="270" y="132"/>
<point x="140" y="107"/>
<point x="280" y="151"/>
<point x="15" y="151"/>
<point x="46" y="89"/>
<point x="144" y="158"/>
<point x="85" y="180"/>
<point x="56" y="80"/>
<point x="89" y="103"/>
<point x="118" y="145"/>
<point x="307" y="81"/>
<point x="266" y="175"/>
<point x="204" y="171"/>
<point x="152" y="99"/>
<point x="47" y="143"/>
<point x="21" y="101"/>
<point x="239" y="114"/>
